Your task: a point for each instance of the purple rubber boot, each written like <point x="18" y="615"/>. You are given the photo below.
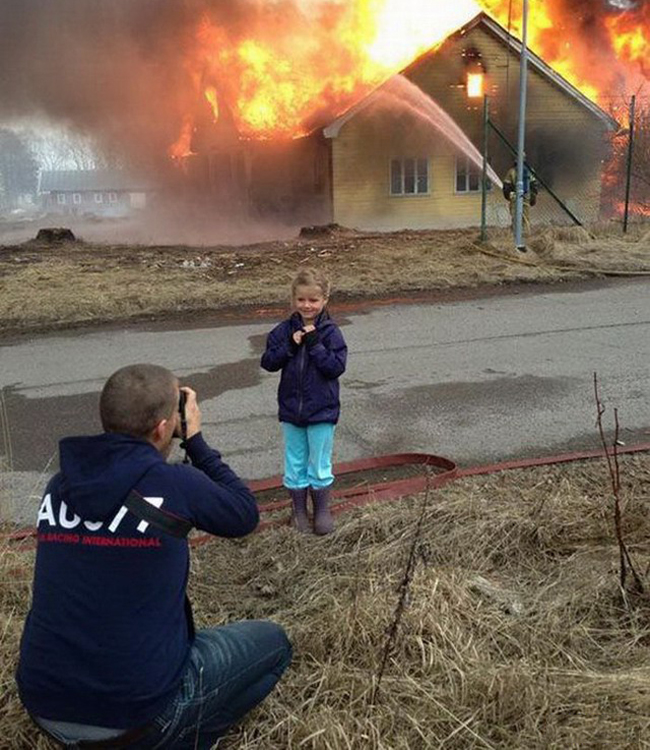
<point x="323" y="521"/>
<point x="299" y="517"/>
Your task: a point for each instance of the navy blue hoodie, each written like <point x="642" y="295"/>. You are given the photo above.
<point x="109" y="632"/>
<point x="309" y="384"/>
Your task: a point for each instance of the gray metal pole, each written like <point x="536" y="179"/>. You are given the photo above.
<point x="484" y="181"/>
<point x="628" y="168"/>
<point x="521" y="135"/>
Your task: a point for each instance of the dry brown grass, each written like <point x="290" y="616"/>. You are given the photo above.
<point x="515" y="634"/>
<point x="50" y="286"/>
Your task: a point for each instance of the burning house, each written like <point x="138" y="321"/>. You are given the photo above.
<point x="407" y="155"/>
<point x="296" y="107"/>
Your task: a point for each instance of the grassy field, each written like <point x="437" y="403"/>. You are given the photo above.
<point x="51" y="286"/>
<point x="515" y="632"/>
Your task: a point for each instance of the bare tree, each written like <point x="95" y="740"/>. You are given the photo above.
<point x="18" y="168"/>
<point x="58" y="150"/>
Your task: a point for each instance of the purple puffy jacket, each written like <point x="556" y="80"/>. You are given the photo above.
<point x="309" y="387"/>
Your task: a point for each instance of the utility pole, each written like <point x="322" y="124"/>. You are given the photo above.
<point x="484" y="180"/>
<point x="521" y="135"/>
<point x="628" y="169"/>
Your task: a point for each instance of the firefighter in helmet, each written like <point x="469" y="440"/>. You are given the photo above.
<point x="530" y="194"/>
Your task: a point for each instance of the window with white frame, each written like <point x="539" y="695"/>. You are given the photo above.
<point x="409" y="176"/>
<point x="76" y="198"/>
<point x="99" y="198"/>
<point x="60" y="199"/>
<point x="468" y="176"/>
<point x="112" y="197"/>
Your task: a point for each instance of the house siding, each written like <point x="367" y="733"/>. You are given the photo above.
<point x="365" y="144"/>
<point x="361" y="171"/>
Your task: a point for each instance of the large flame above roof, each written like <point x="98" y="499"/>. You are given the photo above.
<point x="276" y="72"/>
<point x="600" y="46"/>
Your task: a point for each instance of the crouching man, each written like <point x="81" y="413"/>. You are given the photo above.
<point x="109" y="657"/>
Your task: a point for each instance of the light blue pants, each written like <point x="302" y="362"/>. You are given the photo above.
<point x="308" y="455"/>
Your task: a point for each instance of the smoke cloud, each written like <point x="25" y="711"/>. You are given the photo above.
<point x="114" y="70"/>
<point x="109" y="69"/>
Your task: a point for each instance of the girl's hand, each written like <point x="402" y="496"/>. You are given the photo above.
<point x="297" y="337"/>
<point x="310" y="336"/>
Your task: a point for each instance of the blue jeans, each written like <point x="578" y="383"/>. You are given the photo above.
<point x="232" y="668"/>
<point x="308" y="455"/>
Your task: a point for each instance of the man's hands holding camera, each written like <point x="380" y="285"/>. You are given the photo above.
<point x="189" y="408"/>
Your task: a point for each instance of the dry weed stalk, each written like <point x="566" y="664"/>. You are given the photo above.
<point x="409" y="569"/>
<point x="615" y="476"/>
<point x="4" y="432"/>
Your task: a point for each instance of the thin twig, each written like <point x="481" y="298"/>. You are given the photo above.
<point x="403" y="591"/>
<point x="355" y="593"/>
<point x="615" y="478"/>
<point x="6" y="434"/>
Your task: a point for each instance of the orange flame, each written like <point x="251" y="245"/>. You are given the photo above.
<point x="289" y="66"/>
<point x="630" y="43"/>
<point x="274" y="83"/>
<point x="213" y="101"/>
<point x="596" y="61"/>
<point x="182" y="147"/>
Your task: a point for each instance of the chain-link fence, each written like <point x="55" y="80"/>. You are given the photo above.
<point x="589" y="170"/>
<point x="626" y="184"/>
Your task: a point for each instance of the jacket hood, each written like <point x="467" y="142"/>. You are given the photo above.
<point x="98" y="472"/>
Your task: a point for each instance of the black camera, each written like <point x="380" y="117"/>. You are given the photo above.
<point x="182" y="400"/>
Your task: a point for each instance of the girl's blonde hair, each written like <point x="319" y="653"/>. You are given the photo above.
<point x="311" y="277"/>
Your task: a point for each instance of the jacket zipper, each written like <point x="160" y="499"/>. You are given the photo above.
<point x="300" y="388"/>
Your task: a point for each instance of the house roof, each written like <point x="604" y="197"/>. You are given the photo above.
<point x="515" y="45"/>
<point x="80" y="180"/>
<point x="536" y="62"/>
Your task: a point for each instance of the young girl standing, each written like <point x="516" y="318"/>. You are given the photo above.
<point x="310" y="351"/>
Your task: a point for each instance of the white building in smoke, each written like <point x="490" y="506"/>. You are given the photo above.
<point x="93" y="192"/>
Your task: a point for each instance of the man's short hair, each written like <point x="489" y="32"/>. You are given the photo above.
<point x="136" y="398"/>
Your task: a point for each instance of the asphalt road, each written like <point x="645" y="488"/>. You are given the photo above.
<point x="484" y="378"/>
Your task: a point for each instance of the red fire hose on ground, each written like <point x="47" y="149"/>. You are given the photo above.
<point x="436" y="471"/>
<point x="441" y="471"/>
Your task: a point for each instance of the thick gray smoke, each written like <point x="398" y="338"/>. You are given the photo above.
<point x="111" y="69"/>
<point x="115" y="71"/>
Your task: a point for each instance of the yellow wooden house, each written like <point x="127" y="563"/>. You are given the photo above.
<point x="396" y="163"/>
